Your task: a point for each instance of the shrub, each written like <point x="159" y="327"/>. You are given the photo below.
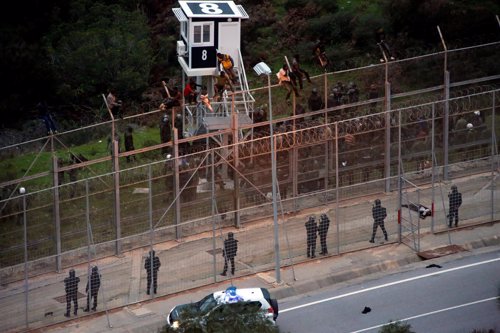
<point x="396" y="327"/>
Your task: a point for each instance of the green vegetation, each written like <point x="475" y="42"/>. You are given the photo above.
<point x="70" y="52"/>
<point x="396" y="327"/>
<point x="230" y="319"/>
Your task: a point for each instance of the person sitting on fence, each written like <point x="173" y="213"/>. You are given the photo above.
<point x="205" y="100"/>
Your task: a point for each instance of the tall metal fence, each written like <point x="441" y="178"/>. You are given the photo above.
<point x="108" y="208"/>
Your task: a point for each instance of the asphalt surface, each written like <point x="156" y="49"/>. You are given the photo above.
<point x="459" y="292"/>
<point x="309" y="276"/>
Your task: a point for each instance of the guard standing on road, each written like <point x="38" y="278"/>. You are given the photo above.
<point x="455" y="201"/>
<point x="324" y="224"/>
<point x="71" y="288"/>
<point x="229" y="252"/>
<point x="152" y="265"/>
<point x="93" y="284"/>
<point x="312" y="234"/>
<point x="379" y="213"/>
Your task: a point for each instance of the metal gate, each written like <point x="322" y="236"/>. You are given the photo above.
<point x="409" y="214"/>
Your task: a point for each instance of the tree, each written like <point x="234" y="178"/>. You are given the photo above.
<point x="241" y="317"/>
<point x="98" y="47"/>
<point x="396" y="327"/>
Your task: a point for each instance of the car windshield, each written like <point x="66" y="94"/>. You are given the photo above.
<point x="207" y="303"/>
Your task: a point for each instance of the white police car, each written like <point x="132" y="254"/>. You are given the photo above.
<point x="244" y="299"/>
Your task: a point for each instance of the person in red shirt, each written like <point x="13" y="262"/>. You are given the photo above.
<point x="190" y="93"/>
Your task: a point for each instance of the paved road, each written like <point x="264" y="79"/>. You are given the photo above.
<point x="460" y="296"/>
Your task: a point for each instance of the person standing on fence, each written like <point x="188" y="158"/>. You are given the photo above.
<point x="114" y="104"/>
<point x="299" y="72"/>
<point x="455" y="201"/>
<point x="324" y="224"/>
<point x="284" y="80"/>
<point x="46" y="116"/>
<point x="71" y="289"/>
<point x="152" y="265"/>
<point x="93" y="285"/>
<point x="229" y="252"/>
<point x="312" y="234"/>
<point x="379" y="214"/>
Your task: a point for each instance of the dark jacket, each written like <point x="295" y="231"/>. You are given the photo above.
<point x="95" y="281"/>
<point x="230" y="247"/>
<point x="311" y="228"/>
<point x="324" y="224"/>
<point x="379" y="213"/>
<point x="71" y="283"/>
<point x="156" y="263"/>
<point x="455" y="199"/>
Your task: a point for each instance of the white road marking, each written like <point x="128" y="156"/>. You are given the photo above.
<point x="389" y="284"/>
<point x="431" y="313"/>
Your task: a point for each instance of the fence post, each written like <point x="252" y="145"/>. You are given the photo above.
<point x="56" y="212"/>
<point x="116" y="183"/>
<point x="387" y="136"/>
<point x="25" y="230"/>
<point x="236" y="162"/>
<point x="212" y="189"/>
<point x="446" y="122"/>
<point x="433" y="164"/>
<point x="493" y="155"/>
<point x="176" y="186"/>
<point x="337" y="182"/>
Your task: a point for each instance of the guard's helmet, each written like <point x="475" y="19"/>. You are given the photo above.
<point x="94" y="269"/>
<point x="312" y="218"/>
<point x="377" y="202"/>
<point x="323" y="216"/>
<point x="72" y="272"/>
<point x="152" y="253"/>
<point x="453" y="187"/>
<point x="314" y="91"/>
<point x="230" y="235"/>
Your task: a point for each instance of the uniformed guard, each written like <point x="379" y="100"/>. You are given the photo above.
<point x="152" y="265"/>
<point x="229" y="252"/>
<point x="379" y="213"/>
<point x="71" y="288"/>
<point x="324" y="224"/>
<point x="455" y="201"/>
<point x="93" y="285"/>
<point x="312" y="234"/>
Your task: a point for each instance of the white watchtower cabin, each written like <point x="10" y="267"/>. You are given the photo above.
<point x="208" y="28"/>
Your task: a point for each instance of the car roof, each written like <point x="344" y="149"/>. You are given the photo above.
<point x="248" y="294"/>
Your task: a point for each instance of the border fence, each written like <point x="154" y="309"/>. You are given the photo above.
<point x="108" y="207"/>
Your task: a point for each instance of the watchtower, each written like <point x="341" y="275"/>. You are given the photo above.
<point x="208" y="27"/>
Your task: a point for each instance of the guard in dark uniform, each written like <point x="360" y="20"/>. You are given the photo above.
<point x="152" y="265"/>
<point x="312" y="234"/>
<point x="95" y="284"/>
<point x="71" y="288"/>
<point x="455" y="201"/>
<point x="229" y="252"/>
<point x="324" y="224"/>
<point x="379" y="213"/>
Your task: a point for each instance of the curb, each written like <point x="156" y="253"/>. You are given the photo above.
<point x="313" y="284"/>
